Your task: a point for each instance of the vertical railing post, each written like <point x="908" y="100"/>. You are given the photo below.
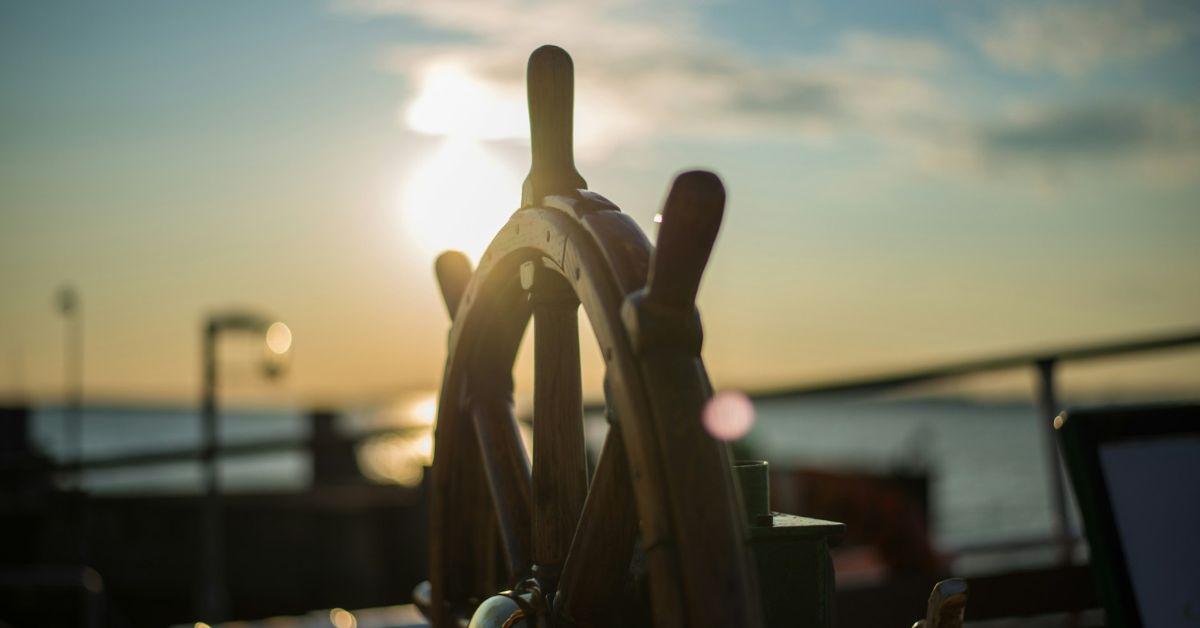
<point x="69" y="306"/>
<point x="1047" y="406"/>
<point x="212" y="596"/>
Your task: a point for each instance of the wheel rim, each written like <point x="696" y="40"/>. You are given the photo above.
<point x="488" y="326"/>
<point x="660" y="477"/>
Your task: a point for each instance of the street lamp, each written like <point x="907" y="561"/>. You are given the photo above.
<point x="277" y="343"/>
<point x="68" y="304"/>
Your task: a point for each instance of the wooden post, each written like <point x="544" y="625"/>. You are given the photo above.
<point x="213" y="598"/>
<point x="1048" y="409"/>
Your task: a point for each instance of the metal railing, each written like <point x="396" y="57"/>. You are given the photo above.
<point x="1075" y="353"/>
<point x="1044" y="363"/>
<point x="255" y="447"/>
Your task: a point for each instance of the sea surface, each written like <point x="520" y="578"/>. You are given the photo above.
<point x="988" y="460"/>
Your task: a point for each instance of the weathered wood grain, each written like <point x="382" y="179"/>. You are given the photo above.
<point x="597" y="566"/>
<point x="507" y="470"/>
<point x="560" y="481"/>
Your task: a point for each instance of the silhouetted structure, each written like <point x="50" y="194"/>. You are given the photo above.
<point x="658" y="536"/>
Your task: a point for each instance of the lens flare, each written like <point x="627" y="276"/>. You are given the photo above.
<point x="342" y="618"/>
<point x="279" y="338"/>
<point x="728" y="416"/>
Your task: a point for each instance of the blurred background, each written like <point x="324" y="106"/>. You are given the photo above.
<point x="911" y="186"/>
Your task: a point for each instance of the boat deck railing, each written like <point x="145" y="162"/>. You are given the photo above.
<point x="1043" y="363"/>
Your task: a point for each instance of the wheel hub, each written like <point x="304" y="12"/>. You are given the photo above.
<point x="519" y="608"/>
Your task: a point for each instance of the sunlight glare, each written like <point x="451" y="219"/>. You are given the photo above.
<point x="463" y="191"/>
<point x="459" y="197"/>
<point x="424" y="411"/>
<point x="454" y="103"/>
<point x="396" y="458"/>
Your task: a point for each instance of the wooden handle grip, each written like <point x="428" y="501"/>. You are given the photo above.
<point x="691" y="218"/>
<point x="453" y="271"/>
<point x="550" y="79"/>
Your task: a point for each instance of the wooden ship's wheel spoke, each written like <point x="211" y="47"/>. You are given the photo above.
<point x="559" y="462"/>
<point x="658" y="535"/>
<point x="594" y="575"/>
<point x="507" y="469"/>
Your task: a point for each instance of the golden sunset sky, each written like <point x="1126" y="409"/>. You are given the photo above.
<point x="909" y="183"/>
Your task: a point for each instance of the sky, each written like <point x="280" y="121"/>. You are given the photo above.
<point x="909" y="183"/>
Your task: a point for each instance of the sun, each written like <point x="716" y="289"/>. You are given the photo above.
<point x="451" y="101"/>
<point x="460" y="195"/>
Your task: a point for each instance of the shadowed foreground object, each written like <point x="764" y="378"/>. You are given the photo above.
<point x="453" y="270"/>
<point x="947" y="604"/>
<point x="657" y="536"/>
<point x="212" y="594"/>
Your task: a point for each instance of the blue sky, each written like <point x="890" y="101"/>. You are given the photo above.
<point x="908" y="182"/>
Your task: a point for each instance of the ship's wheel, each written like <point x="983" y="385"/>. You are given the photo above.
<point x="656" y="534"/>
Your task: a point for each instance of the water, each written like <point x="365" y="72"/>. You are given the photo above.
<point x="116" y="431"/>
<point x="987" y="460"/>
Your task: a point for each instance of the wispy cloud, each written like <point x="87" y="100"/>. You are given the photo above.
<point x="1075" y="38"/>
<point x="1160" y="141"/>
<point x="1093" y="131"/>
<point x="870" y="49"/>
<point x="655" y="69"/>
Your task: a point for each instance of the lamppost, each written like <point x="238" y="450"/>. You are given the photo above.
<point x="277" y="338"/>
<point x="68" y="305"/>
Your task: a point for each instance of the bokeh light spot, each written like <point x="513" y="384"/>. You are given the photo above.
<point x="279" y="338"/>
<point x="729" y="415"/>
<point x="342" y="618"/>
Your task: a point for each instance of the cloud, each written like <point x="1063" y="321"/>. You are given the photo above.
<point x="874" y="49"/>
<point x="1158" y="140"/>
<point x="1075" y="38"/>
<point x="654" y="73"/>
<point x="654" y="69"/>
